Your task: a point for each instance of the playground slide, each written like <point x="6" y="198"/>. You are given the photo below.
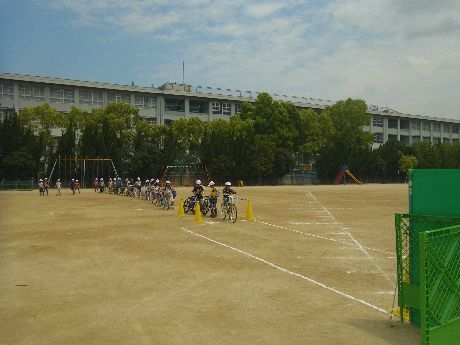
<point x="353" y="177"/>
<point x="339" y="177"/>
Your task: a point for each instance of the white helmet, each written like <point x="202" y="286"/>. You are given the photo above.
<point x="41" y="180"/>
<point x="211" y="183"/>
<point x="102" y="179"/>
<point x="168" y="182"/>
<point x="59" y="179"/>
<point x="157" y="180"/>
<point x="77" y="180"/>
<point x="138" y="178"/>
<point x="228" y="183"/>
<point x="198" y="182"/>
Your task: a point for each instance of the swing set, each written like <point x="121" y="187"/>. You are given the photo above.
<point x="85" y="169"/>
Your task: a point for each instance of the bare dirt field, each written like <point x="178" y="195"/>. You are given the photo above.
<point x="317" y="267"/>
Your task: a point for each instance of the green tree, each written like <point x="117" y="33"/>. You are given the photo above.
<point x="110" y="133"/>
<point x="42" y="120"/>
<point x="407" y="162"/>
<point x="347" y="141"/>
<point x="19" y="152"/>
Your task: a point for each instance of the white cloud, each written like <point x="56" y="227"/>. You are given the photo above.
<point x="264" y="9"/>
<point x="402" y="54"/>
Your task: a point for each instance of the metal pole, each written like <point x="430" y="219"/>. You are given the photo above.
<point x="84" y="173"/>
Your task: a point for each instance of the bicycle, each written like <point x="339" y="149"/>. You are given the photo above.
<point x="213" y="207"/>
<point x="190" y="203"/>
<point x="228" y="208"/>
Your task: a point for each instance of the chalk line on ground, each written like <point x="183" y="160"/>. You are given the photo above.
<point x="298" y="275"/>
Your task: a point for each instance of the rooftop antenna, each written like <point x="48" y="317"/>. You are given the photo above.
<point x="183" y="74"/>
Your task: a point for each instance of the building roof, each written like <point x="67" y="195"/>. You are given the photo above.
<point x="174" y="89"/>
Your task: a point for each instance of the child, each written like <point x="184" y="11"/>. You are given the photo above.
<point x="77" y="186"/>
<point x="45" y="186"/>
<point x="170" y="194"/>
<point x="101" y="185"/>
<point x="227" y="191"/>
<point x="72" y="186"/>
<point x="96" y="184"/>
<point x="58" y="187"/>
<point x="213" y="194"/>
<point x="41" y="187"/>
<point x="198" y="191"/>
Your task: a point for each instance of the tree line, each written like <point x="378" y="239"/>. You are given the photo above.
<point x="260" y="145"/>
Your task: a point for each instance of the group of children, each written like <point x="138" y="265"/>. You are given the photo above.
<point x="151" y="190"/>
<point x="43" y="186"/>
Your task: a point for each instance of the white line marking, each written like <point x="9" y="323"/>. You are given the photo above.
<point x="324" y="286"/>
<point x="322" y="237"/>
<point x="359" y="245"/>
<point x="372" y="259"/>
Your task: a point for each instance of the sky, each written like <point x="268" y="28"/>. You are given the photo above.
<point x="403" y="54"/>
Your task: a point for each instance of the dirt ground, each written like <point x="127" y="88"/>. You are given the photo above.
<point x="317" y="266"/>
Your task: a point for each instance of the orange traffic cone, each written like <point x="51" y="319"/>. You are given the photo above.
<point x="249" y="213"/>
<point x="198" y="217"/>
<point x="181" y="212"/>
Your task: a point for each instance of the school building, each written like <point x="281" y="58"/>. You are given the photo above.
<point x="172" y="101"/>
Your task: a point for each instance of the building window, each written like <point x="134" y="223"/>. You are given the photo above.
<point x="6" y="90"/>
<point x="392" y="123"/>
<point x="436" y="140"/>
<point x="226" y="108"/>
<point x="405" y="139"/>
<point x="378" y="138"/>
<point x="145" y="102"/>
<point x="61" y="95"/>
<point x="377" y="121"/>
<point x="455" y="129"/>
<point x="426" y="126"/>
<point x="436" y="127"/>
<point x="215" y="107"/>
<point x="393" y="137"/>
<point x="446" y="127"/>
<point x="197" y="107"/>
<point x="427" y="139"/>
<point x="172" y="104"/>
<point x="31" y="93"/>
<point x="455" y="141"/>
<point x="446" y="140"/>
<point x="237" y="108"/>
<point x="415" y="139"/>
<point x="415" y="125"/>
<point x="404" y="124"/>
<point x="152" y="120"/>
<point x="5" y="112"/>
<point x="90" y="97"/>
<point x="118" y="97"/>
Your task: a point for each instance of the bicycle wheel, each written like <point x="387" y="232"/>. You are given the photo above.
<point x="205" y="208"/>
<point x="186" y="205"/>
<point x="213" y="211"/>
<point x="223" y="211"/>
<point x="233" y="213"/>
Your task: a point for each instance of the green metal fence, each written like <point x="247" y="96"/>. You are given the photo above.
<point x="408" y="229"/>
<point x="17" y="184"/>
<point x="440" y="286"/>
